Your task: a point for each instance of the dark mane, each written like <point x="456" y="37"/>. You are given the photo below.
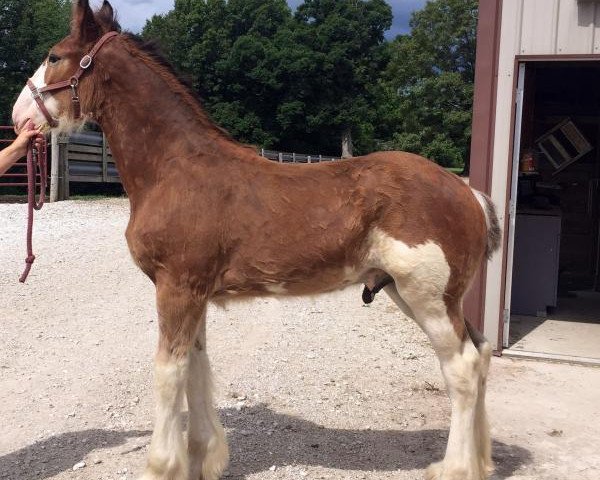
<point x="153" y="52"/>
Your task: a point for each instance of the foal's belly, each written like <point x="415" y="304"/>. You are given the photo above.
<point x="324" y="281"/>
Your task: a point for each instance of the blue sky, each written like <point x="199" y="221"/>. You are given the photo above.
<point x="133" y="13"/>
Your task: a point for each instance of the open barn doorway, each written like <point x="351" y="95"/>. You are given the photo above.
<point x="553" y="276"/>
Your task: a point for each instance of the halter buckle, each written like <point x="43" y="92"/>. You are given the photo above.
<point x="35" y="93"/>
<point x="85" y="62"/>
<point x="74" y="84"/>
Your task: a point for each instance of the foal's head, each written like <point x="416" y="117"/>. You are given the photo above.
<point x="61" y="64"/>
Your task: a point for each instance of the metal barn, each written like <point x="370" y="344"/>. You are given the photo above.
<point x="536" y="151"/>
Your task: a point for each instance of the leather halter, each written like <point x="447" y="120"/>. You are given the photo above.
<point x="72" y="83"/>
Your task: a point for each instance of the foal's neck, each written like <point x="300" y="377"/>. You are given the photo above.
<point x="149" y="118"/>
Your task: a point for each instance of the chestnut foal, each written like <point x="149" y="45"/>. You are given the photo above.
<point x="213" y="221"/>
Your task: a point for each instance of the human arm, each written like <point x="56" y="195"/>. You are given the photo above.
<point x="16" y="150"/>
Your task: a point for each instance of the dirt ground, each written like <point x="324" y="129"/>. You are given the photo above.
<point x="321" y="388"/>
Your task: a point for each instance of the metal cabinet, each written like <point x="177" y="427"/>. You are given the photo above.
<point x="535" y="266"/>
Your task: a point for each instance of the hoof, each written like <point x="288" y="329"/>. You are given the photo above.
<point x="153" y="473"/>
<point x="217" y="457"/>
<point x="436" y="471"/>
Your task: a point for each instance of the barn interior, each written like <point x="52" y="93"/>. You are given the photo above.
<point x="555" y="291"/>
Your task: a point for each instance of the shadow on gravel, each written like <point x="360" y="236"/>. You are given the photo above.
<point x="260" y="438"/>
<point x="59" y="453"/>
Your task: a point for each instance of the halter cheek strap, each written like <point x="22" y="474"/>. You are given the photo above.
<point x="72" y="83"/>
<point x="37" y="96"/>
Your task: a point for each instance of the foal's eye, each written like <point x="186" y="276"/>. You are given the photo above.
<point x="53" y="58"/>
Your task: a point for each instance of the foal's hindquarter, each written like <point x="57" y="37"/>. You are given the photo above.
<point x="261" y="228"/>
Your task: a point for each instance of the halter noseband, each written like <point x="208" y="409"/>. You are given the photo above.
<point x="72" y="83"/>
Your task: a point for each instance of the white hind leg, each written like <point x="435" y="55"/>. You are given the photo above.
<point x="460" y="364"/>
<point x="392" y="292"/>
<point x="207" y="446"/>
<point x="482" y="431"/>
<point x="422" y="274"/>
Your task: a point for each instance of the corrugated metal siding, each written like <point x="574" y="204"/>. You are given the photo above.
<point x="576" y="27"/>
<point x="529" y="27"/>
<point x="510" y="40"/>
<point x="539" y="23"/>
<point x="550" y="27"/>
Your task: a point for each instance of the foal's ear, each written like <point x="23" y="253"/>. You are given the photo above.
<point x="83" y="23"/>
<point x="105" y="17"/>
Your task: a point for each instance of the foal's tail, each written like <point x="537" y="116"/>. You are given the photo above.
<point x="494" y="233"/>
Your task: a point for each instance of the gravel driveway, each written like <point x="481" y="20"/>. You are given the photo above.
<point x="320" y="388"/>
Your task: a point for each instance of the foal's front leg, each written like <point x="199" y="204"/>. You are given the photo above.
<point x="179" y="317"/>
<point x="207" y="446"/>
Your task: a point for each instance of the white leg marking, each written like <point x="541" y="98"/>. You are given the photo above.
<point x="461" y="366"/>
<point x="482" y="427"/>
<point x="420" y="272"/>
<point x="207" y="445"/>
<point x="168" y="456"/>
<point x="397" y="299"/>
<point x="421" y="275"/>
<point x="461" y="372"/>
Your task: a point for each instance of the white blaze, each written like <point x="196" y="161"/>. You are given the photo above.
<point x="26" y="107"/>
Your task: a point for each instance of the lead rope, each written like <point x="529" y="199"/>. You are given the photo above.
<point x="37" y="163"/>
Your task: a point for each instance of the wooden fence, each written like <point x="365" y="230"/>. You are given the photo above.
<point x="89" y="158"/>
<point x="284" y="157"/>
<point x="86" y="157"/>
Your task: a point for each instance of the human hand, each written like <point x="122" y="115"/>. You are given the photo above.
<point x="21" y="143"/>
<point x="18" y="148"/>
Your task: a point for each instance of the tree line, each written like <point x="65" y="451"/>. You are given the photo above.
<point x="322" y="78"/>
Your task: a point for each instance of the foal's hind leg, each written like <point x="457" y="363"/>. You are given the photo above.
<point x="422" y="275"/>
<point x="207" y="446"/>
<point x="179" y="317"/>
<point x="461" y="366"/>
<point x="482" y="430"/>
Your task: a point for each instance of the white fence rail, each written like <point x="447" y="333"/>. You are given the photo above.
<point x="285" y="157"/>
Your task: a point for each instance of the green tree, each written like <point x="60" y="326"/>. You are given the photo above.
<point x="429" y="82"/>
<point x="28" y="28"/>
<point x="344" y="42"/>
<point x="230" y="51"/>
<point x="291" y="82"/>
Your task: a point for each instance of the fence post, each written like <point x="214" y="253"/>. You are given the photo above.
<point x="63" y="168"/>
<point x="320" y="158"/>
<point x="293" y="157"/>
<point x="54" y="166"/>
<point x="262" y="152"/>
<point x="280" y="157"/>
<point x="309" y="159"/>
<point x="104" y="159"/>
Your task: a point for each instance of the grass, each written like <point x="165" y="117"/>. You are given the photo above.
<point x="92" y="196"/>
